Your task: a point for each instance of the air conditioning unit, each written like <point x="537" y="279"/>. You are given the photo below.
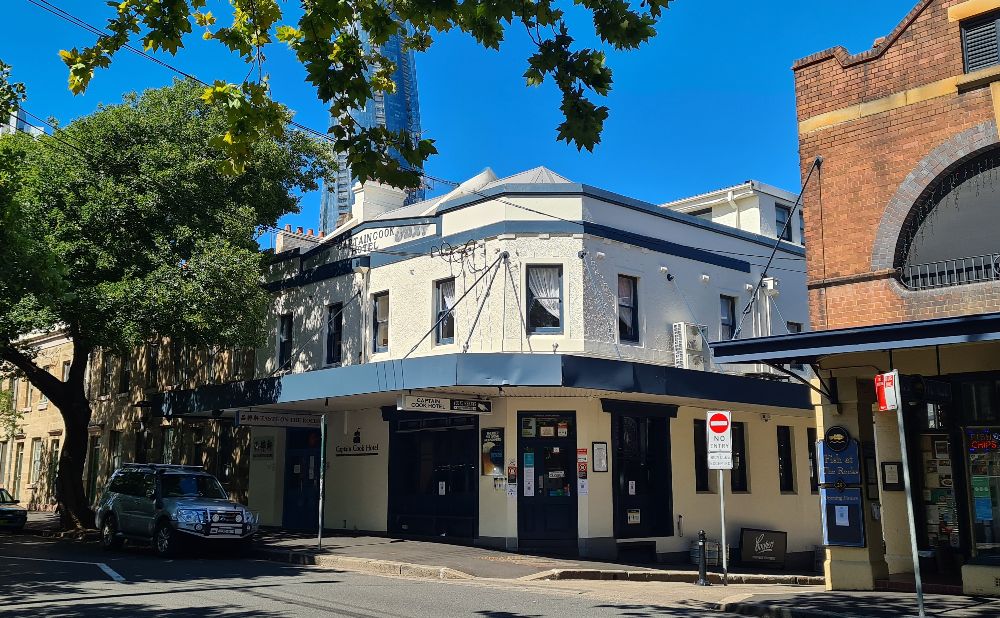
<point x="771" y="286"/>
<point x="689" y="345"/>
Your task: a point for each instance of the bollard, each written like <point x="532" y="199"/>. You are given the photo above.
<point x="702" y="561"/>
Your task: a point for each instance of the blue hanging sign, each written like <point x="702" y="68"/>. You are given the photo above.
<point x="843" y="517"/>
<point x="841" y="467"/>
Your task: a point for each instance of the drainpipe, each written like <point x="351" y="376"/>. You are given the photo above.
<point x="736" y="207"/>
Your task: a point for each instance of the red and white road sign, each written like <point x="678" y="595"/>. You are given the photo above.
<point x="720" y="432"/>
<point x="887" y="391"/>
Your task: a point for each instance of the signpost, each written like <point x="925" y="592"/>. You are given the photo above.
<point x="719" y="434"/>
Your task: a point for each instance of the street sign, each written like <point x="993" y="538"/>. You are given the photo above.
<point x="887" y="391"/>
<point x="720" y="432"/>
<point x="419" y="403"/>
<point x="720" y="461"/>
<point x="251" y="418"/>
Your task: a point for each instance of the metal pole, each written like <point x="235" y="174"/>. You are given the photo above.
<point x="909" y="512"/>
<point x="322" y="480"/>
<point x="722" y="545"/>
<point x="702" y="561"/>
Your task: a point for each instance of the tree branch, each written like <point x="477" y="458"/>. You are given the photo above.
<point x="51" y="386"/>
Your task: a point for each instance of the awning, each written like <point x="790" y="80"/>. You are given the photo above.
<point x="810" y="347"/>
<point x="541" y="371"/>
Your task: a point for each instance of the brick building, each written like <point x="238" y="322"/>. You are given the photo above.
<point x="904" y="274"/>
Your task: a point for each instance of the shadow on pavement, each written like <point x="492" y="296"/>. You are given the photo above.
<point x="884" y="604"/>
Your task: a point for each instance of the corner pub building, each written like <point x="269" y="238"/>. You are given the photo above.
<point x="519" y="364"/>
<point x="908" y="188"/>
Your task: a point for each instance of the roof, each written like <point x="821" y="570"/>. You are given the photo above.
<point x="536" y="176"/>
<point x="693" y="201"/>
<point x="810" y="347"/>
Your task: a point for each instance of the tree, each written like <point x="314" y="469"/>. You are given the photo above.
<point x="338" y="42"/>
<point x="122" y="227"/>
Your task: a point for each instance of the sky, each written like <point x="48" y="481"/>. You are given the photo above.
<point x="706" y="104"/>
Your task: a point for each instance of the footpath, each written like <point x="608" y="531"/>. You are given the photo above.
<point x="772" y="595"/>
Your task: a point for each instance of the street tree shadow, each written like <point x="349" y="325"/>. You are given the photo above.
<point x="883" y="604"/>
<point x="639" y="610"/>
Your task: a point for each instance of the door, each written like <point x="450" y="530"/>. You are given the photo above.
<point x="547" y="502"/>
<point x="93" y="464"/>
<point x="301" y="501"/>
<point x="642" y="489"/>
<point x="18" y="469"/>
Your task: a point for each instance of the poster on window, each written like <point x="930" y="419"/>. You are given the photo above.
<point x="491" y="452"/>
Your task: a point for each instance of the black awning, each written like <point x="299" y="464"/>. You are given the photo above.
<point x="810" y="347"/>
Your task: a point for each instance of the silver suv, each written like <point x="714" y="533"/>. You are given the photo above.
<point x="166" y="504"/>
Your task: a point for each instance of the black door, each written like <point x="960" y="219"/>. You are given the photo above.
<point x="301" y="504"/>
<point x="642" y="490"/>
<point x="434" y="476"/>
<point x="546" y="496"/>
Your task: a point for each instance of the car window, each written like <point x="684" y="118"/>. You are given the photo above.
<point x="5" y="496"/>
<point x="191" y="485"/>
<point x="117" y="484"/>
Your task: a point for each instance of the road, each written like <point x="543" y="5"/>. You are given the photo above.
<point x="47" y="578"/>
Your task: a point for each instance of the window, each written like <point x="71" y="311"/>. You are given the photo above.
<point x="180" y="361"/>
<point x="18" y="467"/>
<point x="42" y="397"/>
<point x="53" y="470"/>
<point x="125" y="373"/>
<point x="813" y="471"/>
<point x="700" y="456"/>
<point x="15" y="388"/>
<point x="380" y="322"/>
<point x="335" y="334"/>
<point x="153" y="366"/>
<point x="107" y="372"/>
<point x="29" y="394"/>
<point x="3" y="461"/>
<point x="628" y="309"/>
<point x="544" y="299"/>
<point x="794" y="328"/>
<point x="66" y="367"/>
<point x="739" y="477"/>
<point x="285" y="341"/>
<point x="215" y="369"/>
<point x="979" y="42"/>
<point x="167" y="447"/>
<point x="444" y="305"/>
<point x="727" y="323"/>
<point x="782" y="228"/>
<point x="802" y="228"/>
<point x="786" y="478"/>
<point x="115" y="449"/>
<point x="241" y="357"/>
<point x="35" y="473"/>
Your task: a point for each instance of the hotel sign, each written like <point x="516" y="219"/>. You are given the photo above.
<point x="376" y="239"/>
<point x="418" y="403"/>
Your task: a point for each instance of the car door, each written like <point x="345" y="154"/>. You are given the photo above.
<point x="144" y="504"/>
<point x="121" y="500"/>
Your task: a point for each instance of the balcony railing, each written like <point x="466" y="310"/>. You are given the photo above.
<point x="947" y="273"/>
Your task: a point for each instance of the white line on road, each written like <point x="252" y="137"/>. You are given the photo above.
<point x="107" y="570"/>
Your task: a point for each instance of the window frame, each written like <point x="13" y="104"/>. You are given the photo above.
<point x="42" y="397"/>
<point x="785" y="226"/>
<point x="786" y="458"/>
<point x="530" y="299"/>
<point x="813" y="464"/>
<point x="739" y="476"/>
<point x="337" y="358"/>
<point x="36" y="456"/>
<point x="701" y="471"/>
<point x="795" y="328"/>
<point x="107" y="373"/>
<point x="966" y="24"/>
<point x="731" y="316"/>
<point x="439" y="339"/>
<point x="633" y="308"/>
<point x="124" y="374"/>
<point x="285" y="341"/>
<point x="377" y="299"/>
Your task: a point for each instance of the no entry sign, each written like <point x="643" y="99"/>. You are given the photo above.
<point x="720" y="440"/>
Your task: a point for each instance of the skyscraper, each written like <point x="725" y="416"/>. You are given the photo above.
<point x="398" y="111"/>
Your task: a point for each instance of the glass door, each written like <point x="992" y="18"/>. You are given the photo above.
<point x="547" y="503"/>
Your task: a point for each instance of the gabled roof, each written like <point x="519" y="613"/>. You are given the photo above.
<point x="537" y="175"/>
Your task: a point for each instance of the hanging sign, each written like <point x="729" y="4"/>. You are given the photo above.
<point x="887" y="391"/>
<point x="419" y="403"/>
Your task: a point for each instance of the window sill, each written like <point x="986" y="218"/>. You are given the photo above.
<point x="789" y="493"/>
<point x="979" y="78"/>
<point x="536" y="333"/>
<point x="705" y="493"/>
<point x="43" y="405"/>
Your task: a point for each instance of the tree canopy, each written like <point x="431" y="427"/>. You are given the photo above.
<point x="339" y="42"/>
<point x="122" y="227"/>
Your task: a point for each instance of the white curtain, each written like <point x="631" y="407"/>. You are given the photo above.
<point x="625" y="301"/>
<point x="544" y="285"/>
<point x="447" y="295"/>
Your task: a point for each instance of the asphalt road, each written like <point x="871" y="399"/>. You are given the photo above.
<point x="46" y="578"/>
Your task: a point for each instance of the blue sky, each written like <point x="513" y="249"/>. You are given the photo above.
<point x="706" y="104"/>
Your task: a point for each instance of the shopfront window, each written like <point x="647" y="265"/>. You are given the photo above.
<point x="983" y="444"/>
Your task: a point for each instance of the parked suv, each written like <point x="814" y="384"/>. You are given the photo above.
<point x="12" y="516"/>
<point x="166" y="505"/>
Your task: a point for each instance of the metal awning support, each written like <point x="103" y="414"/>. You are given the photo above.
<point x="823" y="389"/>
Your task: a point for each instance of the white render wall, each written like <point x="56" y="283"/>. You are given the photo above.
<point x="589" y="287"/>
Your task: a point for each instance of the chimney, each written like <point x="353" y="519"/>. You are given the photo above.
<point x="287" y="240"/>
<point x="371" y="199"/>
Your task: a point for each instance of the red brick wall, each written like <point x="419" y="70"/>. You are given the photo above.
<point x="866" y="160"/>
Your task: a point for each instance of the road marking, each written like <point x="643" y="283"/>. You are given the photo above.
<point x="103" y="567"/>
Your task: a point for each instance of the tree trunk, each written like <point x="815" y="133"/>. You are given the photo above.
<point x="74" y="507"/>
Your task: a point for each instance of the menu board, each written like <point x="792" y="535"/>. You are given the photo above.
<point x="939" y="492"/>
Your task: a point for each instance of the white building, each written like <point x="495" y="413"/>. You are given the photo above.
<point x="570" y="320"/>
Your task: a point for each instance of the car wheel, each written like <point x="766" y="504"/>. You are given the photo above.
<point x="164" y="540"/>
<point x="109" y="533"/>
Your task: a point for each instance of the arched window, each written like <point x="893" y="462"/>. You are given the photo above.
<point x="952" y="234"/>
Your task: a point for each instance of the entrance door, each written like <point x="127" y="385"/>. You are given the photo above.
<point x="546" y="502"/>
<point x="18" y="469"/>
<point x="93" y="465"/>
<point x="433" y="476"/>
<point x="301" y="502"/>
<point x="642" y="490"/>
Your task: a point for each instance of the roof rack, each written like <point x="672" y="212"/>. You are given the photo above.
<point x="164" y="467"/>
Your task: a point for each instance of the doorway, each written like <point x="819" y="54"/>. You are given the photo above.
<point x="93" y="466"/>
<point x="643" y="496"/>
<point x="546" y="497"/>
<point x="434" y="476"/>
<point x="301" y="500"/>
